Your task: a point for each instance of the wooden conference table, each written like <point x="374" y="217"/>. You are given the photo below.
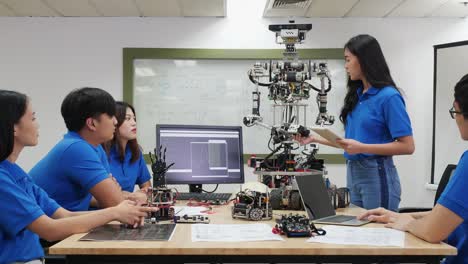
<point x="181" y="249"/>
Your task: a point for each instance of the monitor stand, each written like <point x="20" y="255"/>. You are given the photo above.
<point x="197" y="188"/>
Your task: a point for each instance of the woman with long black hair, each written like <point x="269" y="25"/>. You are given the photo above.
<point x="126" y="160"/>
<point x="377" y="126"/>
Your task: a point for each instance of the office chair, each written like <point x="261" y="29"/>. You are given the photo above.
<point x="443" y="182"/>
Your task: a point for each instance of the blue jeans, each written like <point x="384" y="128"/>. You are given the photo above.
<point x="373" y="182"/>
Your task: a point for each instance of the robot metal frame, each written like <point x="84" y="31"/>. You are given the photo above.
<point x="289" y="83"/>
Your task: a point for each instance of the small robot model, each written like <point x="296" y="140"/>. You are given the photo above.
<point x="163" y="198"/>
<point x="252" y="205"/>
<point x="160" y="196"/>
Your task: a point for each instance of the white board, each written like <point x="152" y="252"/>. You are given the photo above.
<point x="215" y="92"/>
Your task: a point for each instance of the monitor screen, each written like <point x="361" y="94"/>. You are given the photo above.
<point x="202" y="154"/>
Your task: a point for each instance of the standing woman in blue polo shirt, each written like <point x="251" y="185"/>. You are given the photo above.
<point x="126" y="161"/>
<point x="377" y="126"/>
<point x="27" y="212"/>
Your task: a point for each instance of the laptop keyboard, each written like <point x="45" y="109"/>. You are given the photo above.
<point x="204" y="196"/>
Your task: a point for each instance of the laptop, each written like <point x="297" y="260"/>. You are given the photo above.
<point x="318" y="204"/>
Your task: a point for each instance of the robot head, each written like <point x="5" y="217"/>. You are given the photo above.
<point x="290" y="33"/>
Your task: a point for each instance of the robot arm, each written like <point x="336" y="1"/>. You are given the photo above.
<point x="321" y="71"/>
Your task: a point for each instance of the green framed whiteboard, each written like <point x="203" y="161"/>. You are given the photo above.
<point x="209" y="86"/>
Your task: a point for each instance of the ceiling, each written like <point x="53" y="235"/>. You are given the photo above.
<point x="367" y="8"/>
<point x="217" y="8"/>
<point x="113" y="8"/>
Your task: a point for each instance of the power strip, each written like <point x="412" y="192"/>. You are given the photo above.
<point x="192" y="219"/>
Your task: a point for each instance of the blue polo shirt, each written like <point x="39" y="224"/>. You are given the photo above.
<point x="21" y="203"/>
<point x="379" y="117"/>
<point x="70" y="170"/>
<point x="128" y="174"/>
<point x="455" y="198"/>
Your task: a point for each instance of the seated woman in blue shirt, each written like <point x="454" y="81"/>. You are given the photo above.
<point x="448" y="218"/>
<point x="126" y="161"/>
<point x="377" y="126"/>
<point x="27" y="212"/>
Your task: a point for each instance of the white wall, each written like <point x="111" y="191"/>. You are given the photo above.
<point x="47" y="57"/>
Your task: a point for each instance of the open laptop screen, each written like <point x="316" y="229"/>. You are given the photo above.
<point x="315" y="196"/>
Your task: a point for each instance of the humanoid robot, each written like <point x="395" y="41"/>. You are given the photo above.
<point x="289" y="85"/>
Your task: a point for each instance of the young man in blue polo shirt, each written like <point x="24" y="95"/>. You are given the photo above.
<point x="447" y="220"/>
<point x="76" y="169"/>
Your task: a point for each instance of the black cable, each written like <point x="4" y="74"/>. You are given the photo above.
<point x="314" y="88"/>
<point x="256" y="82"/>
<point x="266" y="159"/>
<point x="292" y="119"/>
<point x="269" y="141"/>
<point x="249" y="124"/>
<point x="320" y="90"/>
<point x="211" y="191"/>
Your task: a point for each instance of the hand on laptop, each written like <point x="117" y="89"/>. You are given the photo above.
<point x="379" y="215"/>
<point x="389" y="218"/>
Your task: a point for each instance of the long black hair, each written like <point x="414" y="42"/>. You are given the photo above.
<point x="12" y="108"/>
<point x="461" y="95"/>
<point x="373" y="66"/>
<point x="120" y="114"/>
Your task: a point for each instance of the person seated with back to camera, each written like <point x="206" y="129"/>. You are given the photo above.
<point x="126" y="161"/>
<point x="447" y="220"/>
<point x="27" y="211"/>
<point x="76" y="172"/>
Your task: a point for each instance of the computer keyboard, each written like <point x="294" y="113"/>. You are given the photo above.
<point x="204" y="196"/>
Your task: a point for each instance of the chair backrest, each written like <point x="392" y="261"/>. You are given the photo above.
<point x="444" y="180"/>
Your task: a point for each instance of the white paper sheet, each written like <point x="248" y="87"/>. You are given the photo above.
<point x="233" y="233"/>
<point x="361" y="236"/>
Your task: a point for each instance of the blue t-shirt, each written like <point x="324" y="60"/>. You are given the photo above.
<point x="455" y="198"/>
<point x="21" y="203"/>
<point x="70" y="170"/>
<point x="379" y="117"/>
<point x="128" y="174"/>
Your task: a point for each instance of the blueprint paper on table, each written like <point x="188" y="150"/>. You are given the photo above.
<point x="233" y="233"/>
<point x="384" y="237"/>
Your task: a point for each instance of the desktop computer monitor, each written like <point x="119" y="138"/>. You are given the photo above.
<point x="202" y="154"/>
